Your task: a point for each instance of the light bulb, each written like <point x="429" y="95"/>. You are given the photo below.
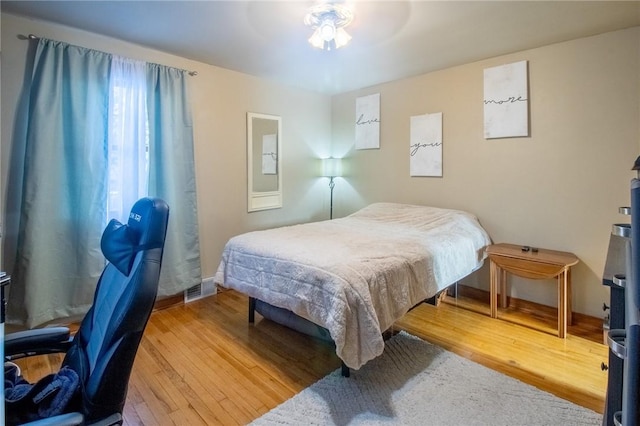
<point x="327" y="30"/>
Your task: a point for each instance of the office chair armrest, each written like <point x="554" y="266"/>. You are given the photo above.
<point x="76" y="419"/>
<point x="36" y="342"/>
<point x="68" y="419"/>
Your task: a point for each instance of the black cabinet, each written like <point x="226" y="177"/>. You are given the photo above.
<point x="614" y="277"/>
<point x="622" y="275"/>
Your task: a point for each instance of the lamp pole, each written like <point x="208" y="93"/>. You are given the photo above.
<point x="331" y="185"/>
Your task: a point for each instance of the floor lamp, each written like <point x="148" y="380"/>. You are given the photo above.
<point x="331" y="168"/>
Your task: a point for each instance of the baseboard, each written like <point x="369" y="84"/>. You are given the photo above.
<point x="169" y="301"/>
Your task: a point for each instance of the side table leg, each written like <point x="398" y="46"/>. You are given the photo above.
<point x="569" y="297"/>
<point x="562" y="305"/>
<point x="503" y="289"/>
<point x="493" y="289"/>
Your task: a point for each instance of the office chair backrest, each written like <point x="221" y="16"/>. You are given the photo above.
<point x="106" y="343"/>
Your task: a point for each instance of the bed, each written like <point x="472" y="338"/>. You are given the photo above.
<point x="357" y="275"/>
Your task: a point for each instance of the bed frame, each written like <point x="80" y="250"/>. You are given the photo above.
<point x="291" y="320"/>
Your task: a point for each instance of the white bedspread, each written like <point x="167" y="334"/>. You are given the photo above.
<point x="357" y="275"/>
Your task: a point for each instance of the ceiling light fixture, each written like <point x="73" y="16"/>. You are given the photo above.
<point x="328" y="22"/>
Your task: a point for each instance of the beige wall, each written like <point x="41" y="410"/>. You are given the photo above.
<point x="560" y="188"/>
<point x="220" y="101"/>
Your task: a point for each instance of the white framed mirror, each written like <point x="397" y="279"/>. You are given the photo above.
<point x="264" y="168"/>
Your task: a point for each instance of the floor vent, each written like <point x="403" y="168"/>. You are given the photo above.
<point x="204" y="289"/>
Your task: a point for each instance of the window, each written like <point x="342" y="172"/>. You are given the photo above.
<point x="128" y="139"/>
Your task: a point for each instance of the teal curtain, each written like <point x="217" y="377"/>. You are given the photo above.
<point x="64" y="188"/>
<point x="64" y="199"/>
<point x="172" y="175"/>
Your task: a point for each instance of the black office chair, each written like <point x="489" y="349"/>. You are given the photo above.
<point x="103" y="349"/>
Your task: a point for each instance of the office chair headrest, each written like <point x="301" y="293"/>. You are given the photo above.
<point x="145" y="230"/>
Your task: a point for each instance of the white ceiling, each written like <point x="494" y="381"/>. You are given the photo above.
<point x="391" y="39"/>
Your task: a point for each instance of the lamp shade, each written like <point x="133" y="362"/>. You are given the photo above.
<point x="332" y="167"/>
<point x="341" y="38"/>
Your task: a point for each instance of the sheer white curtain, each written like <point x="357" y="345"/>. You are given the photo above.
<point x="128" y="142"/>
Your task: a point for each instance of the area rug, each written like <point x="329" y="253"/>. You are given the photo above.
<point x="416" y="383"/>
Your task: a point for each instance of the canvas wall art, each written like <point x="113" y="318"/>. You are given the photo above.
<point x="269" y="155"/>
<point x="368" y="122"/>
<point x="506" y="101"/>
<point x="425" y="146"/>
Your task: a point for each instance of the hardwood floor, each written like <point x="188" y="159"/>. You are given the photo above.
<point x="203" y="364"/>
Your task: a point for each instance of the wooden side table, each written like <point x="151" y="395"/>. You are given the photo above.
<point x="537" y="265"/>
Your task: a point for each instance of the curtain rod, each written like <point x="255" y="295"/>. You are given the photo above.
<point x="35" y="37"/>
